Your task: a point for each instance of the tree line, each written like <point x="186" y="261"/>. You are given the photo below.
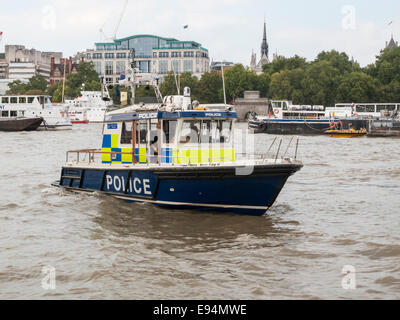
<point x="330" y="78"/>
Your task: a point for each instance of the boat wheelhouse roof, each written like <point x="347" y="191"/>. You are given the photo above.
<point x="140" y="115"/>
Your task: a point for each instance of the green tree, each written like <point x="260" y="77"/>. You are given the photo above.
<point x="357" y="87"/>
<point x="210" y="88"/>
<point x="168" y="86"/>
<point x="86" y="76"/>
<point x="17" y="87"/>
<point x="237" y="80"/>
<point x="320" y="83"/>
<point x="287" y="85"/>
<point x="339" y="61"/>
<point x="388" y="66"/>
<point x="281" y="63"/>
<point x="37" y="83"/>
<point x="390" y="92"/>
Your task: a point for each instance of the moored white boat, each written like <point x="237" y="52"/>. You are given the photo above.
<point x="38" y="106"/>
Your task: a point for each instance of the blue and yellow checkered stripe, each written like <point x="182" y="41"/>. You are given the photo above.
<point x="110" y="144"/>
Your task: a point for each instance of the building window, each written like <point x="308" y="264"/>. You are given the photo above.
<point x="163" y="54"/>
<point x="109" y="80"/>
<point x="109" y="55"/>
<point x="163" y="67"/>
<point x="188" y="54"/>
<point x="176" y="66"/>
<point x="97" y="56"/>
<point x="97" y="66"/>
<point x="188" y="66"/>
<point x="109" y="68"/>
<point x="89" y="56"/>
<point x="144" y="66"/>
<point x="4" y="100"/>
<point x="154" y="54"/>
<point x="198" y="54"/>
<point x="120" y="67"/>
<point x="121" y="55"/>
<point x="176" y="54"/>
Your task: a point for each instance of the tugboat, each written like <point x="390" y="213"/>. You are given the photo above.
<point x="177" y="154"/>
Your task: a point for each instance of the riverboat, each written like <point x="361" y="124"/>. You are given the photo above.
<point x="13" y="120"/>
<point x="286" y="118"/>
<point x="54" y="116"/>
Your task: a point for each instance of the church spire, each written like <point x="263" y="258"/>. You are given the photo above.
<point x="264" y="45"/>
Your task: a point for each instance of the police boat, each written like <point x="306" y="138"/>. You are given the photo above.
<point x="177" y="154"/>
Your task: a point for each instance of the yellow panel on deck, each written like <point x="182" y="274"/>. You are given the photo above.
<point x="185" y="156"/>
<point x="143" y="155"/>
<point x="114" y="141"/>
<point x="216" y="155"/>
<point x="127" y="158"/>
<point x="106" y="157"/>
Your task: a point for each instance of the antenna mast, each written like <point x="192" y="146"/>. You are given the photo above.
<point x="223" y="81"/>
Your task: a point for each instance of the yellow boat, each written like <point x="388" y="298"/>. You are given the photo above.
<point x="347" y="133"/>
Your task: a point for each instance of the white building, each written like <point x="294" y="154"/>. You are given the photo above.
<point x="154" y="55"/>
<point x="24" y="63"/>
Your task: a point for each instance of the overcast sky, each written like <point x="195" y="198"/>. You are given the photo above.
<point x="229" y="29"/>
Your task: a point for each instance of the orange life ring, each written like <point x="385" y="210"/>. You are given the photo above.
<point x="276" y="111"/>
<point x="332" y="124"/>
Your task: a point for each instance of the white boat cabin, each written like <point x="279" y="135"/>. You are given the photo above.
<point x="284" y="109"/>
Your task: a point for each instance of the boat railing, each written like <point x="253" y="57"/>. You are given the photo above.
<point x="91" y="156"/>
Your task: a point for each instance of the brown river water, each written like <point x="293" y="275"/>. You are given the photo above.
<point x="342" y="209"/>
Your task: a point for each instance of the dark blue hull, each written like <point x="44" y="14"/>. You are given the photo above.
<point x="205" y="189"/>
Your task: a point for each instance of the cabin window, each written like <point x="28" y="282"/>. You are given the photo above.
<point x="22" y="100"/>
<point x="4" y="114"/>
<point x="370" y="108"/>
<point x="4" y="100"/>
<point x="169" y="128"/>
<point x="30" y="99"/>
<point x="126" y="134"/>
<point x="41" y="99"/>
<point x="13" y="113"/>
<point x="190" y="132"/>
<point x="226" y="129"/>
<point x="211" y="131"/>
<point x="360" y="109"/>
<point x="14" y="100"/>
<point x="276" y="105"/>
<point x="143" y="127"/>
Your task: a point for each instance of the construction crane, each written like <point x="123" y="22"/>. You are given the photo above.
<point x="114" y="36"/>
